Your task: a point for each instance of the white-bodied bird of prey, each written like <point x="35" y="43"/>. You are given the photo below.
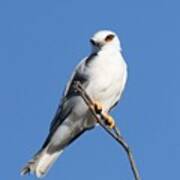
<point x="103" y="75"/>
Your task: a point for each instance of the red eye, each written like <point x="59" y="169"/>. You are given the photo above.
<point x="109" y="38"/>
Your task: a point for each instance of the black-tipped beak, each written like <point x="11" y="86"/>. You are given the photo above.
<point x="94" y="43"/>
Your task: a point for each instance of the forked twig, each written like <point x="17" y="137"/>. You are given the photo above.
<point x="115" y="133"/>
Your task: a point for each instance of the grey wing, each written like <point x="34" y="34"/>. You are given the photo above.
<point x="64" y="108"/>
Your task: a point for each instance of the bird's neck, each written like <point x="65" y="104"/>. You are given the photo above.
<point x="109" y="52"/>
<point x="107" y="49"/>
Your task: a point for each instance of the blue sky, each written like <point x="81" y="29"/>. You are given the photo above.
<point x="40" y="43"/>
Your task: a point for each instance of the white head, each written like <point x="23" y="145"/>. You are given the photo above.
<point x="105" y="39"/>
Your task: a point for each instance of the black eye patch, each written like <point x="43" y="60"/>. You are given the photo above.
<point x="109" y="38"/>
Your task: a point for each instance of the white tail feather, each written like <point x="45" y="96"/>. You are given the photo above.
<point x="41" y="163"/>
<point x="45" y="162"/>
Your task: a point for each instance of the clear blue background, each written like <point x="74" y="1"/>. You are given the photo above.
<point x="40" y="43"/>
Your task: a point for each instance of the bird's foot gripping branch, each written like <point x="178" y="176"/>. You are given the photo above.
<point x="98" y="108"/>
<point x="111" y="130"/>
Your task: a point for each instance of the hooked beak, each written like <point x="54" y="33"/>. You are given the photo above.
<point x="94" y="43"/>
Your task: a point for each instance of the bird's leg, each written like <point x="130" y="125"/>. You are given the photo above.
<point x="108" y="120"/>
<point x="98" y="107"/>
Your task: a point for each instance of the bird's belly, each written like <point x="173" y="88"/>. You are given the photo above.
<point x="108" y="97"/>
<point x="107" y="81"/>
<point x="108" y="92"/>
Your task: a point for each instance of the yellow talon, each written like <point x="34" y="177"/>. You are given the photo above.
<point x="98" y="107"/>
<point x="109" y="120"/>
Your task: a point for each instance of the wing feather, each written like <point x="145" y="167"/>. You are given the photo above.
<point x="64" y="108"/>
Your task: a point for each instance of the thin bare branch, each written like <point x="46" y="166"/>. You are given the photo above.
<point x="115" y="133"/>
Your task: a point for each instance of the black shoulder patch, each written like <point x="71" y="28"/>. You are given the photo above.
<point x="90" y="59"/>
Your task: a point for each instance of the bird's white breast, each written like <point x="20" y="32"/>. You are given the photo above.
<point x="107" y="76"/>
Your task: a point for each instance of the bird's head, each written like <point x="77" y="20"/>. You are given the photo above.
<point x="105" y="39"/>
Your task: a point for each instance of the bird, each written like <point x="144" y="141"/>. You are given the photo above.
<point x="103" y="75"/>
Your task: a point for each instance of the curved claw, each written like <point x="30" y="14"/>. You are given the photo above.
<point x="98" y="107"/>
<point x="109" y="120"/>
